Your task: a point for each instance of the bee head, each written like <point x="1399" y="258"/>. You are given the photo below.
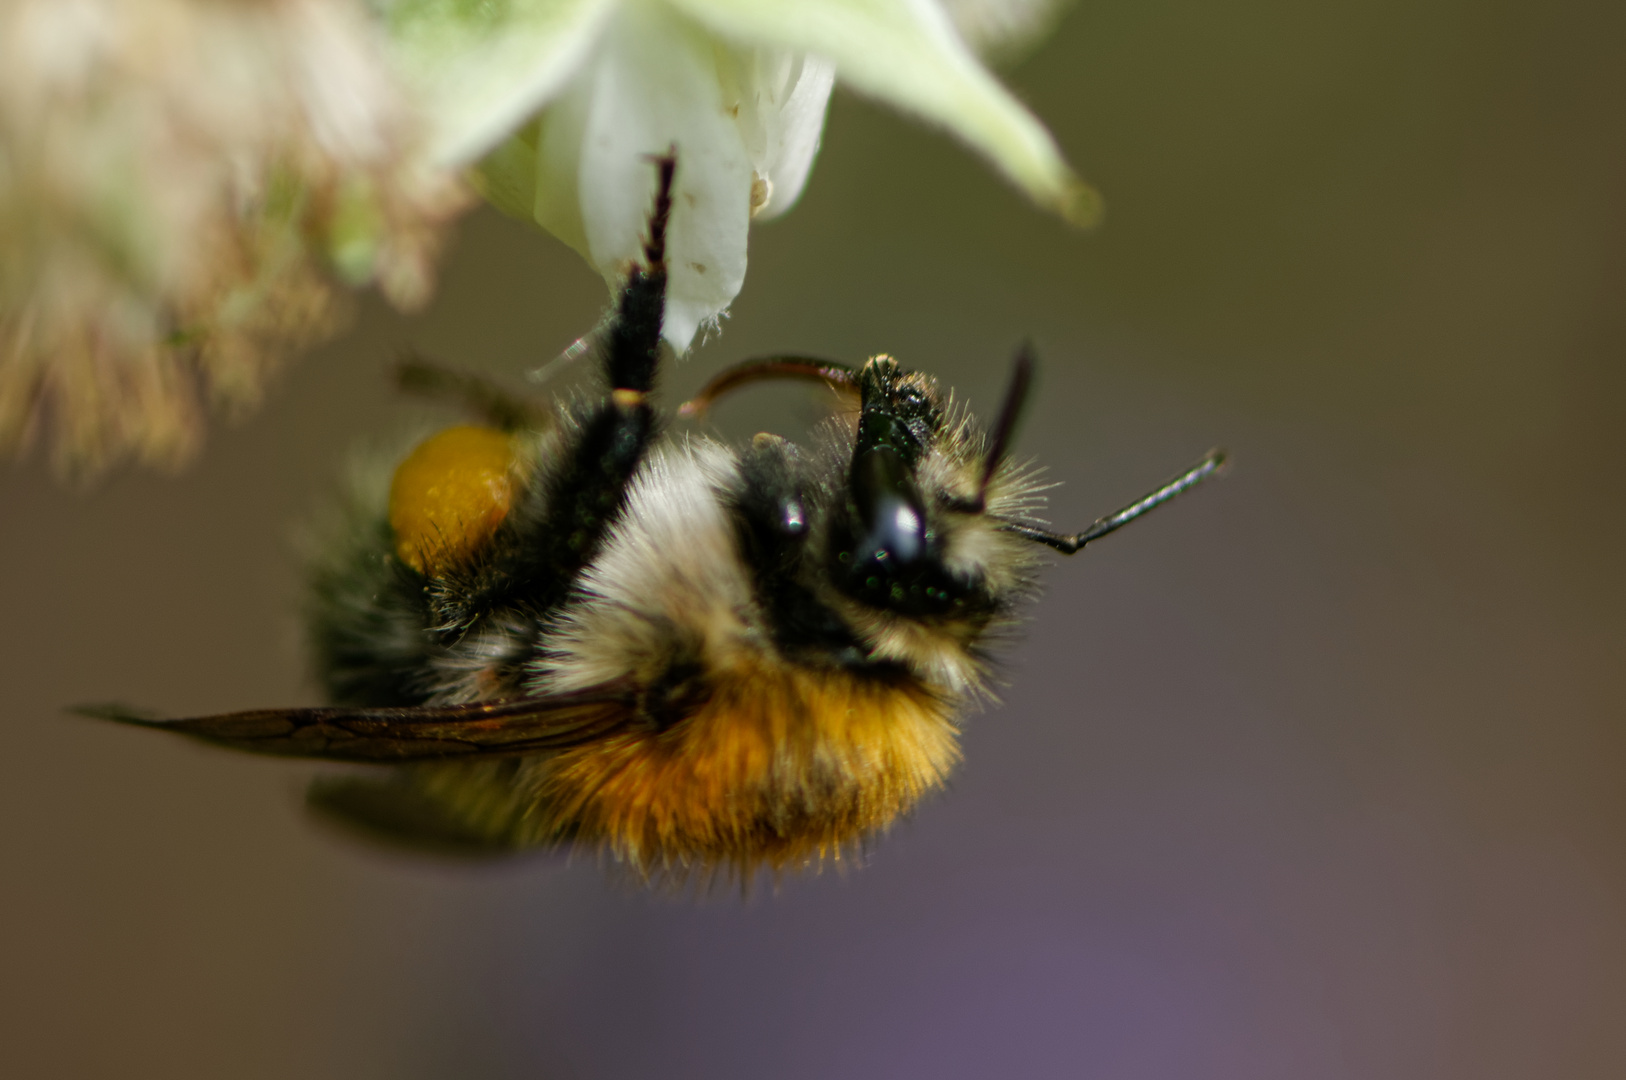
<point x="909" y="535"/>
<point x="911" y="493"/>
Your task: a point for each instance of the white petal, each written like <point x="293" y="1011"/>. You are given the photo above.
<point x="481" y="68"/>
<point x="556" y="201"/>
<point x="907" y="53"/>
<point x="506" y="177"/>
<point x="654" y="84"/>
<point x="779" y="101"/>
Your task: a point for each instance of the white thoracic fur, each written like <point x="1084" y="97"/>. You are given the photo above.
<point x="668" y="581"/>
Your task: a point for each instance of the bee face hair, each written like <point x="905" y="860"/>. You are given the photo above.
<point x="572" y="625"/>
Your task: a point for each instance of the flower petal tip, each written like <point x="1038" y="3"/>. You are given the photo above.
<point x="1079" y="204"/>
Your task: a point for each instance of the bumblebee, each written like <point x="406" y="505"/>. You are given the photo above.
<point x="570" y="627"/>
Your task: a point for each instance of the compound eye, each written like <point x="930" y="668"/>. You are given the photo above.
<point x="890" y="511"/>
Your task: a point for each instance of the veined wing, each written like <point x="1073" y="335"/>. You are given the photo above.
<point x="406" y="733"/>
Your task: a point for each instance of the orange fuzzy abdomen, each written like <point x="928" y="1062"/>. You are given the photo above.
<point x="775" y="768"/>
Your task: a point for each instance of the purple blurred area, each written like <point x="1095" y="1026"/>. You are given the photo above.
<point x="1318" y="773"/>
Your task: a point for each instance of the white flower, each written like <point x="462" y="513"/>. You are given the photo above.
<point x="186" y="185"/>
<point x="738" y="86"/>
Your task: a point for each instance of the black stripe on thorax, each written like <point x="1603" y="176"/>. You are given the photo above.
<point x="773" y="525"/>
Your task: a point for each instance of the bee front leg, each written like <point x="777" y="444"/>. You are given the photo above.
<point x="635" y="335"/>
<point x="587" y="489"/>
<point x="559" y="521"/>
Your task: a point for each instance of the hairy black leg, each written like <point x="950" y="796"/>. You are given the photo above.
<point x="635" y="336"/>
<point x="588" y="494"/>
<point x="543" y="553"/>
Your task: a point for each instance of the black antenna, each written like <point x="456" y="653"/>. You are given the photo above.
<point x="1208" y="467"/>
<point x="1010" y="412"/>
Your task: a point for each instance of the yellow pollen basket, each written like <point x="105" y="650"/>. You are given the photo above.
<point x="449" y="496"/>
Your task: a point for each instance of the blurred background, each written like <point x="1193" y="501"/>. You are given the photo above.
<point x="1318" y="773"/>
